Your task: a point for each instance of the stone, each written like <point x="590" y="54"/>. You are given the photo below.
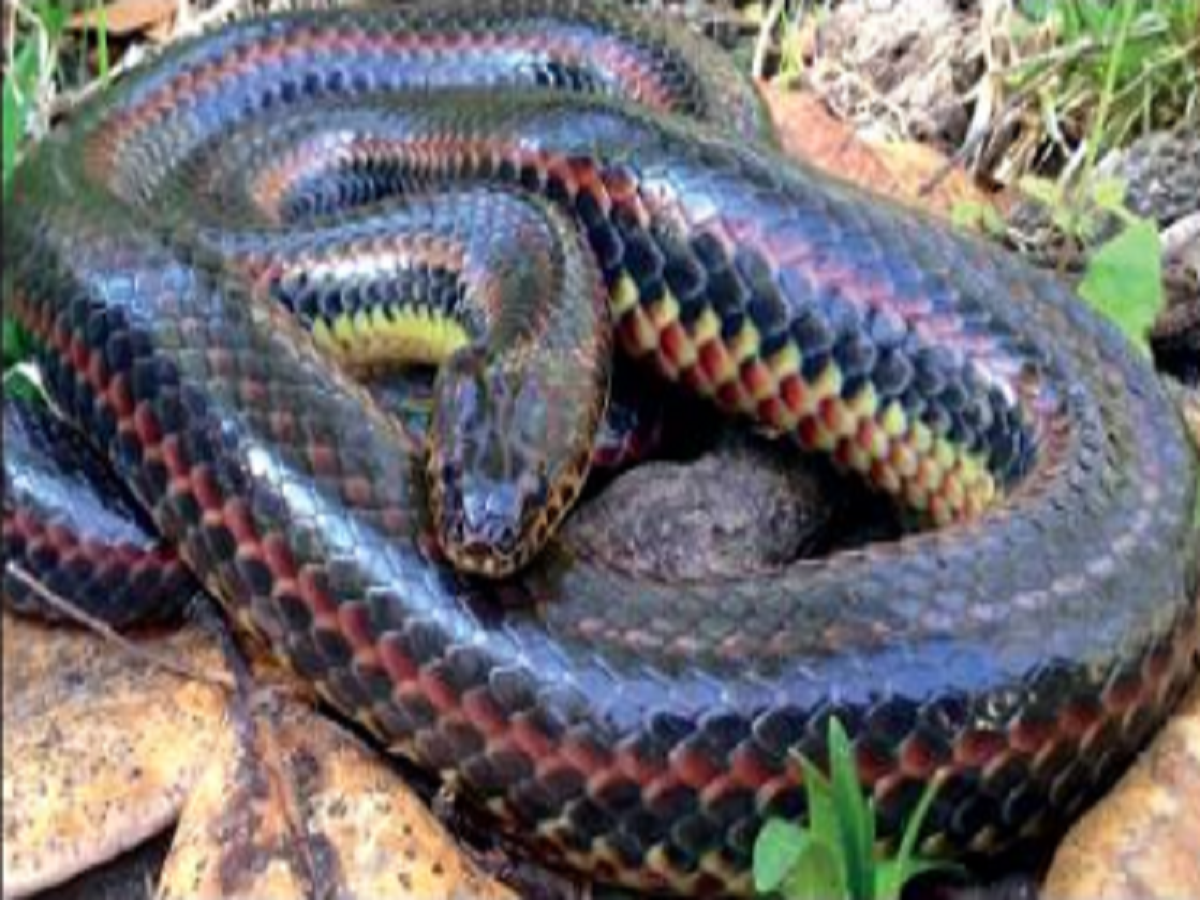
<point x="101" y="746"/>
<point x="1143" y="839"/>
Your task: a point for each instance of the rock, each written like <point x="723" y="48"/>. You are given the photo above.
<point x="742" y="509"/>
<point x="1161" y="172"/>
<point x="1175" y="337"/>
<point x="1143" y="839"/>
<point x="749" y="506"/>
<point x="131" y="876"/>
<point x="105" y="746"/>
<point x="909" y="67"/>
<point x="295" y="806"/>
<point x="100" y="747"/>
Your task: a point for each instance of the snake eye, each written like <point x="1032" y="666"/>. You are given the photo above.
<point x="534" y="488"/>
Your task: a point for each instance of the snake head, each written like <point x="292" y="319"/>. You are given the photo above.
<point x="507" y="457"/>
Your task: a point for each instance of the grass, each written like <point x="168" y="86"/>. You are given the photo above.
<point x="834" y="856"/>
<point x="1133" y="65"/>
<point x="782" y="29"/>
<point x="38" y="60"/>
<point x="1103" y="72"/>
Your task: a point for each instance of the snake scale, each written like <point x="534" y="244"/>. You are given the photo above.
<point x="199" y="252"/>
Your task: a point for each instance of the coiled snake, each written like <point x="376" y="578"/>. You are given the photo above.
<point x="207" y="250"/>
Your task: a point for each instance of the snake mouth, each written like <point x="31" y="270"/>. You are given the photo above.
<point x="484" y="527"/>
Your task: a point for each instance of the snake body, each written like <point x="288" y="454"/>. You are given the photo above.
<point x="633" y="728"/>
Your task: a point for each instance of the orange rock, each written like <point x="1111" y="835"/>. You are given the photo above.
<point x="1143" y="839"/>
<point x="100" y="746"/>
<point x="293" y="806"/>
<point x="125" y="17"/>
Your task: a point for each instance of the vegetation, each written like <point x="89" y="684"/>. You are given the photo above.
<point x="1092" y="75"/>
<point x="35" y="67"/>
<point x="1108" y="72"/>
<point x="834" y="857"/>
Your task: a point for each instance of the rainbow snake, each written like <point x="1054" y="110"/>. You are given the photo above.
<point x="214" y="256"/>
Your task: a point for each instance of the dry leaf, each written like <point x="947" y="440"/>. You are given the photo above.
<point x="810" y="132"/>
<point x="125" y="17"/>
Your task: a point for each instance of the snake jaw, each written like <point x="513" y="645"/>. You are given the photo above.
<point x="485" y="526"/>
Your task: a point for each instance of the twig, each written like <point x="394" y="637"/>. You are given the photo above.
<point x="102" y="629"/>
<point x="1013" y="106"/>
<point x="67" y="100"/>
<point x="762" y="44"/>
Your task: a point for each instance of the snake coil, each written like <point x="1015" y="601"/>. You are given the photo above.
<point x="191" y="251"/>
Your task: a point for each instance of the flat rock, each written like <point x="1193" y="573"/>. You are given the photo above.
<point x="295" y="806"/>
<point x="109" y="742"/>
<point x="1143" y="839"/>
<point x="100" y="746"/>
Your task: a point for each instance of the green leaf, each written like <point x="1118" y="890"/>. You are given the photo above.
<point x="1123" y="280"/>
<point x="822" y="818"/>
<point x="777" y="850"/>
<point x="18" y="384"/>
<point x="1037" y="10"/>
<point x="893" y="874"/>
<point x="817" y="875"/>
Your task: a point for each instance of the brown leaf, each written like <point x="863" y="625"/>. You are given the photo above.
<point x="808" y="131"/>
<point x="914" y="167"/>
<point x="125" y="17"/>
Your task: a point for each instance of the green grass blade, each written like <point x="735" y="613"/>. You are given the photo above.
<point x="853" y="813"/>
<point x="102" y="57"/>
<point x="53" y="15"/>
<point x="19" y="86"/>
<point x="14" y="127"/>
